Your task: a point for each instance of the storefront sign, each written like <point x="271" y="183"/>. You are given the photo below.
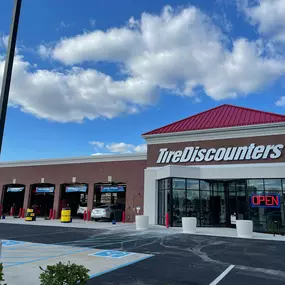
<point x="44" y="189"/>
<point x="197" y="154"/>
<point x="109" y="189"/>
<point x="15" y="189"/>
<point x="265" y="201"/>
<point x="70" y="189"/>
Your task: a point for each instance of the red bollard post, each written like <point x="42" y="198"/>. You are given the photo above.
<point x="84" y="215"/>
<point x="123" y="217"/>
<point x="89" y="215"/>
<point x="50" y="214"/>
<point x="12" y="211"/>
<point x="167" y="220"/>
<point x="23" y="213"/>
<point x="53" y="215"/>
<point x="20" y="213"/>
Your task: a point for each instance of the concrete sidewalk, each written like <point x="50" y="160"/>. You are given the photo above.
<point x="78" y="223"/>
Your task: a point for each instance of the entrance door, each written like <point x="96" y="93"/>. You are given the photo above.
<point x="237" y="202"/>
<point x="218" y="203"/>
<point x="163" y="206"/>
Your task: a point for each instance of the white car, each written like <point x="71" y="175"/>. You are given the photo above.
<point x="81" y="209"/>
<point x="106" y="212"/>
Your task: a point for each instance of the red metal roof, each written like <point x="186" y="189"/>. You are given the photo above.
<point x="220" y="117"/>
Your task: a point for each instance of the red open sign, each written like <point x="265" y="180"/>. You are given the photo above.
<point x="265" y="201"/>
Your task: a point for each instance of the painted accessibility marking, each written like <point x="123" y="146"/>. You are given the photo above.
<point x="111" y="253"/>
<point x="11" y="242"/>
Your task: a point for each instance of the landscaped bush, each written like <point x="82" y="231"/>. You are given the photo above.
<point x="64" y="274"/>
<point x="2" y="275"/>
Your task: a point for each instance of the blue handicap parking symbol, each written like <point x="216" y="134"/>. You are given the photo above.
<point x="11" y="242"/>
<point x="111" y="253"/>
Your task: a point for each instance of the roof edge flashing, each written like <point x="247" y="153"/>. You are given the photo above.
<point x="215" y="130"/>
<point x="74" y="160"/>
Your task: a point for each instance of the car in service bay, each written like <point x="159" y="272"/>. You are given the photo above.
<point x="82" y="207"/>
<point x="108" y="212"/>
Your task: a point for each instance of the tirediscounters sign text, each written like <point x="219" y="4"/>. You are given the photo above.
<point x="265" y="201"/>
<point x="197" y="154"/>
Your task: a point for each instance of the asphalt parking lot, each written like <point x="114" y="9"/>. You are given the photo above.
<point x="177" y="258"/>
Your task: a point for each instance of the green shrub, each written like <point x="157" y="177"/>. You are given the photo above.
<point x="2" y="275"/>
<point x="64" y="274"/>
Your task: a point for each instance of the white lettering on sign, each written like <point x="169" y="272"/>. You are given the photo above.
<point x="197" y="154"/>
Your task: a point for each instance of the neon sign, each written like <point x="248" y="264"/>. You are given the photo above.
<point x="265" y="200"/>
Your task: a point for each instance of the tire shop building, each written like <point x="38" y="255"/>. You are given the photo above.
<point x="220" y="165"/>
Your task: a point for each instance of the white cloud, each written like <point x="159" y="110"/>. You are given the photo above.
<point x="99" y="153"/>
<point x="267" y="15"/>
<point x="141" y="148"/>
<point x="97" y="144"/>
<point x="178" y="50"/>
<point x="114" y="45"/>
<point x="122" y="147"/>
<point x="281" y="102"/>
<point x="4" y="41"/>
<point x="44" y="51"/>
<point x="118" y="147"/>
<point x="75" y="94"/>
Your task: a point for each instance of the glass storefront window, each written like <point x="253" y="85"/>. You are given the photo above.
<point x="214" y="202"/>
<point x="205" y="185"/>
<point x="255" y="186"/>
<point x="232" y="188"/>
<point x="283" y="185"/>
<point x="179" y="183"/>
<point x="205" y="197"/>
<point x="273" y="185"/>
<point x="217" y="187"/>
<point x="241" y="187"/>
<point x="258" y="216"/>
<point x="192" y="184"/>
<point x="161" y="207"/>
<point x="193" y="204"/>
<point x="161" y="184"/>
<point x="178" y="206"/>
<point x="164" y="184"/>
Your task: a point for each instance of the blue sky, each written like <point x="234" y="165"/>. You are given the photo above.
<point x="91" y="78"/>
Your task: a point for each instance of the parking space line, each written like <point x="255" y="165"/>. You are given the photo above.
<point x="222" y="275"/>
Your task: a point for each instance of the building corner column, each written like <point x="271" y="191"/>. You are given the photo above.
<point x="150" y="195"/>
<point x="90" y="196"/>
<point x="56" y="201"/>
<point x="1" y="193"/>
<point x="27" y="197"/>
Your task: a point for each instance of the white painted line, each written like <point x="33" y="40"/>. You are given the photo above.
<point x="222" y="275"/>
